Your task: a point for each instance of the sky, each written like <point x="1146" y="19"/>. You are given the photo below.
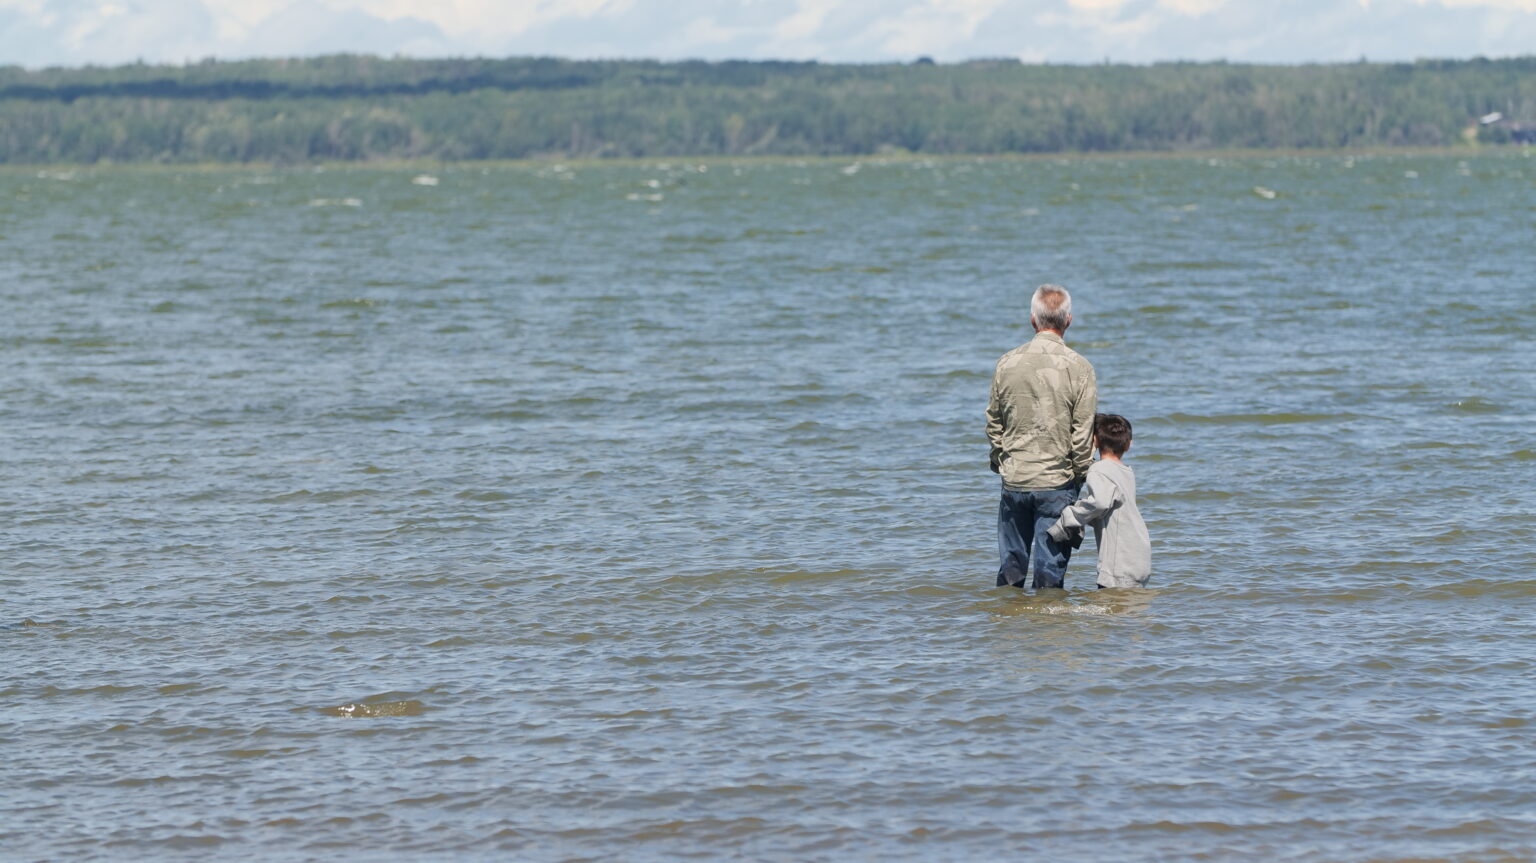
<point x="36" y="33"/>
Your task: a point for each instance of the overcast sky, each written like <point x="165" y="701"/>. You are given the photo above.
<point x="73" y="32"/>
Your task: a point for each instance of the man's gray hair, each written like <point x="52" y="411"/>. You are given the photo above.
<point x="1051" y="307"/>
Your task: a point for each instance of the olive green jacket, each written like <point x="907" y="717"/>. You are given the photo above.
<point x="1040" y="417"/>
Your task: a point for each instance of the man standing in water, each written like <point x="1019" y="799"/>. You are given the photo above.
<point x="1040" y="423"/>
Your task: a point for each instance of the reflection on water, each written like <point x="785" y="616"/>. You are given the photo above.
<point x="1052" y="632"/>
<point x="1106" y="601"/>
<point x="641" y="511"/>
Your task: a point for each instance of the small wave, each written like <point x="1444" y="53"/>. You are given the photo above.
<point x="1193" y="826"/>
<point x="810" y="399"/>
<point x="375" y="709"/>
<point x="335" y="202"/>
<point x="638" y="713"/>
<point x="1476" y="405"/>
<point x="1309" y="372"/>
<point x="1192" y="494"/>
<point x="702" y="829"/>
<point x="1090" y="609"/>
<point x="961" y="374"/>
<point x="307" y="496"/>
<point x="993" y="720"/>
<point x="483" y="496"/>
<point x="90" y="343"/>
<point x="106" y="689"/>
<point x="753" y="233"/>
<point x="1481" y="588"/>
<point x="1480" y="827"/>
<point x="1161" y="266"/>
<point x="150" y="781"/>
<point x="801" y="576"/>
<point x="1260" y="419"/>
<point x="252" y="753"/>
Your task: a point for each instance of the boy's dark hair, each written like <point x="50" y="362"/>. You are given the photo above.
<point x="1113" y="432"/>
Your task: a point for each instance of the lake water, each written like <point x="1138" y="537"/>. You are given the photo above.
<point x="641" y="512"/>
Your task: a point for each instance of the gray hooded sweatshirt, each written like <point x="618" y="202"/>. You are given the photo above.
<point x="1108" y="504"/>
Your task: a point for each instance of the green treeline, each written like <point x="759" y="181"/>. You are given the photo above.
<point x="349" y="107"/>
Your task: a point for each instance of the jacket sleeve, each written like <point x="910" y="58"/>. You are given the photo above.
<point x="1083" y="410"/>
<point x="1099" y="496"/>
<point x="995" y="427"/>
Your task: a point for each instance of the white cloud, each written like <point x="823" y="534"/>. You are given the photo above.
<point x="708" y="31"/>
<point x="40" y="32"/>
<point x="35" y="8"/>
<point x="66" y="32"/>
<point x="1184" y="7"/>
<point x="806" y="21"/>
<point x="1515" y="5"/>
<point x="1192" y="7"/>
<point x="934" y="26"/>
<point x="497" y="17"/>
<point x="244" y="14"/>
<point x="312" y="27"/>
<point x="470" y="20"/>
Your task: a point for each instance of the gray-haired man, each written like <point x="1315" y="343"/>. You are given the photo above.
<point x="1040" y="423"/>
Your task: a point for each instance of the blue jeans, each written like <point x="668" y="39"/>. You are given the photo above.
<point x="1022" y="520"/>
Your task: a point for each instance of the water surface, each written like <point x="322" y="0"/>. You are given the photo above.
<point x="640" y="511"/>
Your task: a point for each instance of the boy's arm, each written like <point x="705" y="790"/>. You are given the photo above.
<point x="1099" y="496"/>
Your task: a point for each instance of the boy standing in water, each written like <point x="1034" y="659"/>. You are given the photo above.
<point x="1108" y="504"/>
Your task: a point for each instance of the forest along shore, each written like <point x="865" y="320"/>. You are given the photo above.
<point x="352" y="107"/>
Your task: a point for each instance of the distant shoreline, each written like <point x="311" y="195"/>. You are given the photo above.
<point x="367" y="109"/>
<point x="1507" y="150"/>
